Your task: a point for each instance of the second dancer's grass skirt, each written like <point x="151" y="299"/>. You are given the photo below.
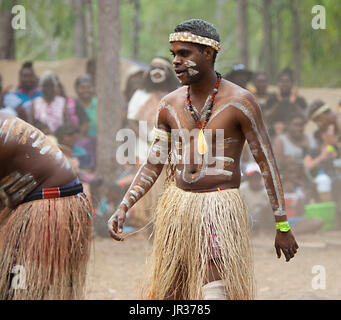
<point x="191" y="229"/>
<point x="45" y="244"/>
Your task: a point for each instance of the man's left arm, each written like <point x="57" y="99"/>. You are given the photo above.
<point x="14" y="188"/>
<point x="251" y="121"/>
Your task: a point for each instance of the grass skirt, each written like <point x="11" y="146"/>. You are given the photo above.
<point x="44" y="249"/>
<point x="191" y="229"/>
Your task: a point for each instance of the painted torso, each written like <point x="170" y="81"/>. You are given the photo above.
<point x="26" y="149"/>
<point x="235" y="118"/>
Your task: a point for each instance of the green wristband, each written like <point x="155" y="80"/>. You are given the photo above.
<point x="283" y="226"/>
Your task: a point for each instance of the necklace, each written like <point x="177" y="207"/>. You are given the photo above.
<point x="202" y="144"/>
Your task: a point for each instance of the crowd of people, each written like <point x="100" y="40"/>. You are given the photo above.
<point x="309" y="160"/>
<point x="306" y="143"/>
<point x="71" y="121"/>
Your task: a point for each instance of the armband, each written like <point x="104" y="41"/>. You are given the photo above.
<point x="161" y="135"/>
<point x="283" y="226"/>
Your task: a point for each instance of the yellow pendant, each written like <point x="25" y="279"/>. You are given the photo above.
<point x="202" y="145"/>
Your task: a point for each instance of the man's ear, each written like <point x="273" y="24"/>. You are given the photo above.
<point x="208" y="53"/>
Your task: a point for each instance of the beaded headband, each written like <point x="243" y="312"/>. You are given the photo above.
<point x="190" y="37"/>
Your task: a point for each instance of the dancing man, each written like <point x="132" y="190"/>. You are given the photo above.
<point x="45" y="218"/>
<point x="201" y="233"/>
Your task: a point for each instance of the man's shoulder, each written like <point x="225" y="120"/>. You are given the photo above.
<point x="175" y="97"/>
<point x="233" y="93"/>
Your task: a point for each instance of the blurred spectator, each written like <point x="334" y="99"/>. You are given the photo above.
<point x="239" y="75"/>
<point x="43" y="128"/>
<point x="79" y="157"/>
<point x="49" y="108"/>
<point x="293" y="142"/>
<point x="134" y="82"/>
<point x="66" y="136"/>
<point x="295" y="197"/>
<point x="21" y="98"/>
<point x="70" y="104"/>
<point x="86" y="106"/>
<point x="285" y="102"/>
<point x="322" y="114"/>
<point x="260" y="81"/>
<point x="322" y="159"/>
<point x="157" y="82"/>
<point x="3" y="107"/>
<point x="257" y="200"/>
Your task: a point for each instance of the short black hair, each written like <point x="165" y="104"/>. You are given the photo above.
<point x="200" y="28"/>
<point x="287" y="72"/>
<point x="81" y="79"/>
<point x="64" y="130"/>
<point x="27" y="65"/>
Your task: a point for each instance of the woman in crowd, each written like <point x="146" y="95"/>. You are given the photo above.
<point x="49" y="109"/>
<point x="86" y="101"/>
<point x="86" y="113"/>
<point x="293" y="142"/>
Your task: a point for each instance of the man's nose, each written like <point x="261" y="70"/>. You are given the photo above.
<point x="176" y="61"/>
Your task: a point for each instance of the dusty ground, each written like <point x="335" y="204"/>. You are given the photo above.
<point x="116" y="268"/>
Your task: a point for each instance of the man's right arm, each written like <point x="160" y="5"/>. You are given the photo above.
<point x="146" y="176"/>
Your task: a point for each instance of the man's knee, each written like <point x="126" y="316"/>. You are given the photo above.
<point x="214" y="290"/>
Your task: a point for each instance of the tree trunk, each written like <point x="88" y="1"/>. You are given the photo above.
<point x="110" y="105"/>
<point x="79" y="30"/>
<point x="136" y="28"/>
<point x="296" y="34"/>
<point x="7" y="36"/>
<point x="278" y="47"/>
<point x="268" y="58"/>
<point x="242" y="31"/>
<point x="89" y="28"/>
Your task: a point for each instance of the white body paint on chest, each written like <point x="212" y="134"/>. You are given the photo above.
<point x="204" y="170"/>
<point x="280" y="211"/>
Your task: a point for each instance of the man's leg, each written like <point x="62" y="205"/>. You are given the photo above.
<point x="214" y="288"/>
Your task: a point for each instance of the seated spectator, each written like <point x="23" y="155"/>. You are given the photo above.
<point x="3" y="107"/>
<point x="322" y="114"/>
<point x="239" y="75"/>
<point x="49" y="108"/>
<point x="260" y="81"/>
<point x="285" y="102"/>
<point x="86" y="106"/>
<point x="257" y="200"/>
<point x="26" y="91"/>
<point x="293" y="142"/>
<point x="322" y="159"/>
<point x="295" y="197"/>
<point x="66" y="135"/>
<point x="70" y="104"/>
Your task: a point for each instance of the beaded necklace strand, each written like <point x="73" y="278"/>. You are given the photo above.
<point x="202" y="145"/>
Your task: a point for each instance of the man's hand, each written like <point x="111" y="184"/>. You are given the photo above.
<point x="14" y="188"/>
<point x="286" y="242"/>
<point x="115" y="224"/>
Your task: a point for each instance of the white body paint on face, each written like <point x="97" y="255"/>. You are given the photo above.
<point x="190" y="64"/>
<point x="192" y="72"/>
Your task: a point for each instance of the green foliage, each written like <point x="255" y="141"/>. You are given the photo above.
<point x="50" y="27"/>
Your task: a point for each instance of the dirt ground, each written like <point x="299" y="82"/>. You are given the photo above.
<point x="116" y="268"/>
